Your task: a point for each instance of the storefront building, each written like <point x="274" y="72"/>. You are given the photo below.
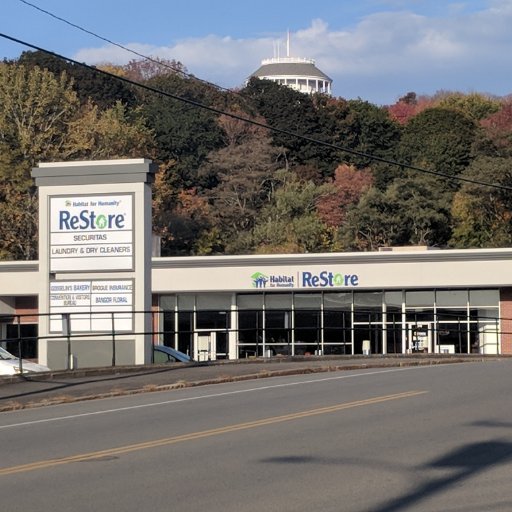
<point x="392" y="302"/>
<point x="388" y="302"/>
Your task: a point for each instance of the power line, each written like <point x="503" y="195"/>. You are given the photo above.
<point x="260" y="124"/>
<point x="134" y="52"/>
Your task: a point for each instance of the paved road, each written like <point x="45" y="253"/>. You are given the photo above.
<point x="61" y="387"/>
<point x="434" y="438"/>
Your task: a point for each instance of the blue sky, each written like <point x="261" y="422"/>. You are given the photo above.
<point x="377" y="50"/>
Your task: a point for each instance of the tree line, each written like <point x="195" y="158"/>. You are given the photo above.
<point x="225" y="186"/>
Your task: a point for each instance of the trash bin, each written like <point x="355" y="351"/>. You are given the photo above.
<point x="366" y="347"/>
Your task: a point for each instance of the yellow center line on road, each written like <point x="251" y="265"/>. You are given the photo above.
<point x="205" y="433"/>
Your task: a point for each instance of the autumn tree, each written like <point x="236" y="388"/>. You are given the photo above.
<point x="42" y="120"/>
<point x="36" y="109"/>
<point x="239" y="181"/>
<point x="475" y="106"/>
<point x="498" y="128"/>
<point x="112" y="133"/>
<point x="140" y="70"/>
<point x="408" y="106"/>
<point x="349" y="185"/>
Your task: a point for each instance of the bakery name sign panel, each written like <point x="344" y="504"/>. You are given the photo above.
<point x="91" y="233"/>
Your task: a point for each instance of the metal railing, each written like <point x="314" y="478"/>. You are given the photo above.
<point x="25" y="345"/>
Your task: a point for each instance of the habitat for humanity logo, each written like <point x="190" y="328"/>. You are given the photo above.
<point x="259" y="280"/>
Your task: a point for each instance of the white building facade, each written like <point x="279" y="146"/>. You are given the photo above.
<point x="232" y="307"/>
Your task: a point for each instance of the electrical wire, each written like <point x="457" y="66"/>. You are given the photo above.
<point x="134" y="52"/>
<point x="281" y="131"/>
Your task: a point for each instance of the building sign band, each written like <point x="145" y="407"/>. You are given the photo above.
<point x="91" y="233"/>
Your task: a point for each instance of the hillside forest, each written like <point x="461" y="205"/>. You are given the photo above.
<point x="411" y="173"/>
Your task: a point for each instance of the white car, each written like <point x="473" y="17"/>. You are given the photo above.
<point x="10" y="365"/>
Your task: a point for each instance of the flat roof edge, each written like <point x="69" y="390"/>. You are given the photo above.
<point x="89" y="163"/>
<point x="334" y="258"/>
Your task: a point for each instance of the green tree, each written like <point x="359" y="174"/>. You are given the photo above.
<point x="375" y="222"/>
<point x="112" y="133"/>
<point x="375" y="132"/>
<point x="475" y="106"/>
<point x="18" y="208"/>
<point x="88" y="84"/>
<point x="18" y="221"/>
<point x="439" y="139"/>
<point x="411" y="211"/>
<point x="291" y="111"/>
<point x="290" y="223"/>
<point x="483" y="215"/>
<point x="36" y="110"/>
<point x="183" y="134"/>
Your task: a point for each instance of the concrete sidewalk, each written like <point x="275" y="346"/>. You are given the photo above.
<point x="52" y="388"/>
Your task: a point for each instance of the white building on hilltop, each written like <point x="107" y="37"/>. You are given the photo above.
<point x="298" y="73"/>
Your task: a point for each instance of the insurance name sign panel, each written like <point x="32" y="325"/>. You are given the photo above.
<point x="93" y="305"/>
<point x="91" y="233"/>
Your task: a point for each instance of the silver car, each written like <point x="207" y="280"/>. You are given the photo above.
<point x="10" y="365"/>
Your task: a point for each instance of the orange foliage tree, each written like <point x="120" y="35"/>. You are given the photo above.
<point x="349" y="185"/>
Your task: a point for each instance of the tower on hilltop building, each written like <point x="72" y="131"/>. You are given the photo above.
<point x="298" y="73"/>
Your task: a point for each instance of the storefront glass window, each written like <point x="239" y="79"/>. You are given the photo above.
<point x="186" y="302"/>
<point x="307" y="300"/>
<point x="451" y="298"/>
<point x="252" y="301"/>
<point x="250" y="333"/>
<point x="484" y="298"/>
<point x="393" y="331"/>
<point x="185" y="334"/>
<point x="213" y="301"/>
<point x="419" y="298"/>
<point x="212" y="319"/>
<point x="337" y="332"/>
<point x="278" y="301"/>
<point x="278" y="332"/>
<point x="337" y="300"/>
<point x="393" y="299"/>
<point x="452" y="314"/>
<point x="167" y="302"/>
<point x="307" y="331"/>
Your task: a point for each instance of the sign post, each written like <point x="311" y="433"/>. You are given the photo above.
<point x="95" y="261"/>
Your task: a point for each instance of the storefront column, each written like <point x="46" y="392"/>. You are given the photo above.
<point x="506" y="320"/>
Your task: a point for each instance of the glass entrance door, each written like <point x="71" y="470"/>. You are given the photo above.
<point x="204" y="346"/>
<point x="211" y="345"/>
